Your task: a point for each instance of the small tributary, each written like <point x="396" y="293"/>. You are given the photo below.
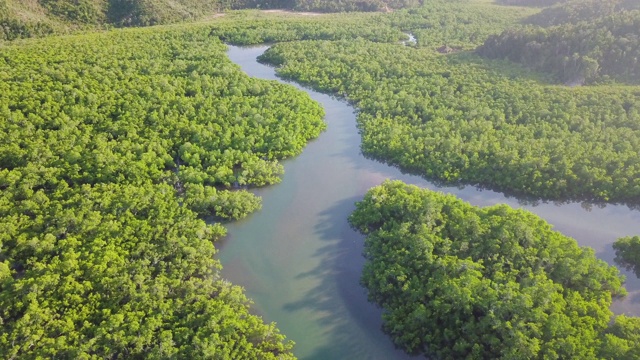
<point x="300" y="262"/>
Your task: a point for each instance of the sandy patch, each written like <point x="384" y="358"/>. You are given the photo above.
<point x="289" y="12"/>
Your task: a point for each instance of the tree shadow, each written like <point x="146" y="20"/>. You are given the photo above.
<point x="629" y="304"/>
<point x="354" y="323"/>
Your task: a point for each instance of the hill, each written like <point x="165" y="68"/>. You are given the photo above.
<point x="580" y="10"/>
<point x="33" y="18"/>
<point x="590" y="51"/>
<point x="536" y="3"/>
<point x="36" y="18"/>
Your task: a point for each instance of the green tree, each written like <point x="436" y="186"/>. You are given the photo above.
<point x="628" y="253"/>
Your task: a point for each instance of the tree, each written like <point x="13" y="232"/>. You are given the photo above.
<point x="628" y="253"/>
<point x="456" y="281"/>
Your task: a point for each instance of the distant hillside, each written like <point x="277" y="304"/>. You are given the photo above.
<point x="538" y="3"/>
<point x="594" y="51"/>
<point x="34" y="18"/>
<point x="580" y="10"/>
<point x="29" y="18"/>
<point x="353" y="5"/>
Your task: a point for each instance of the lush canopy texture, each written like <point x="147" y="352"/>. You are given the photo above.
<point x="539" y="3"/>
<point x="254" y="27"/>
<point x="587" y="52"/>
<point x="34" y="18"/>
<point x="19" y="19"/>
<point x="461" y="282"/>
<point x="580" y="10"/>
<point x="459" y="119"/>
<point x="455" y="24"/>
<point x="111" y="145"/>
<point x="628" y="253"/>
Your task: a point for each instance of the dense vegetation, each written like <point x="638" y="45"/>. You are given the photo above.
<point x="111" y="145"/>
<point x="35" y="18"/>
<point x="353" y="5"/>
<point x="461" y="282"/>
<point x="580" y="10"/>
<point x="538" y="3"/>
<point x="628" y="253"/>
<point x="460" y="119"/>
<point x="458" y="24"/>
<point x="252" y="27"/>
<point x="621" y="339"/>
<point x="22" y="19"/>
<point x="608" y="48"/>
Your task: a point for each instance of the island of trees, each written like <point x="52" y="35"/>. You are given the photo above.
<point x="462" y="282"/>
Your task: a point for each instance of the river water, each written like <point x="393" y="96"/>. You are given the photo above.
<point x="300" y="262"/>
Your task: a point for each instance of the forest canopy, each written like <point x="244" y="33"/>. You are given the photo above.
<point x="572" y="12"/>
<point x="112" y="146"/>
<point x="115" y="146"/>
<point x="24" y="19"/>
<point x="460" y="119"/>
<point x="628" y="253"/>
<point x="457" y="281"/>
<point x="600" y="50"/>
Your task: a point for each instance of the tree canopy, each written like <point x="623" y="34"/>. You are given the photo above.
<point x="628" y="253"/>
<point x="37" y="18"/>
<point x="461" y="282"/>
<point x="600" y="50"/>
<point x="111" y="147"/>
<point x="460" y="119"/>
<point x="575" y="11"/>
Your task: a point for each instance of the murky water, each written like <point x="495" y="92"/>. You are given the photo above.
<point x="300" y="262"/>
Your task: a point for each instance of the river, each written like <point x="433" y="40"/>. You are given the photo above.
<point x="300" y="262"/>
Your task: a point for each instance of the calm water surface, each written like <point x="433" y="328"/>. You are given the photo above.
<point x="300" y="262"/>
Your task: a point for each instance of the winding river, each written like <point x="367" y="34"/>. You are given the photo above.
<point x="300" y="262"/>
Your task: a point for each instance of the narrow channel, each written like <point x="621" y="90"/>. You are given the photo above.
<point x="300" y="262"/>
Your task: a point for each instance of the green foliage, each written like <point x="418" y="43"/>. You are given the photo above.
<point x="580" y="10"/>
<point x="628" y="253"/>
<point x="42" y="17"/>
<point x="460" y="119"/>
<point x="35" y="18"/>
<point x="622" y="339"/>
<point x="458" y="24"/>
<point x="154" y="12"/>
<point x="539" y="3"/>
<point x="11" y="29"/>
<point x="14" y="27"/>
<point x="136" y="106"/>
<point x="77" y="11"/>
<point x="119" y="271"/>
<point x="252" y="27"/>
<point x="353" y="5"/>
<point x="461" y="282"/>
<point x="223" y="204"/>
<point x="110" y="146"/>
<point x="599" y="50"/>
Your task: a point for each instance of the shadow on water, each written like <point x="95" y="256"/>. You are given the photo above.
<point x="629" y="304"/>
<point x="338" y="294"/>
